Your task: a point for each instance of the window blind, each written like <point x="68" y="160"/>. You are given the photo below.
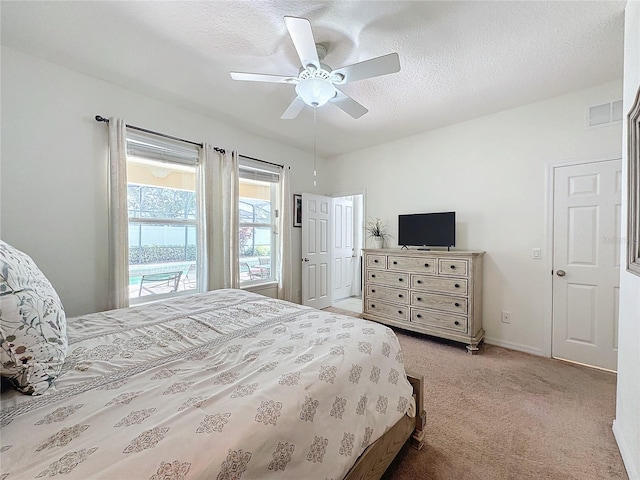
<point x="164" y="150"/>
<point x="255" y="170"/>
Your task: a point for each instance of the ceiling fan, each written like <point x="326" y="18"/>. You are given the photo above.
<point x="316" y="82"/>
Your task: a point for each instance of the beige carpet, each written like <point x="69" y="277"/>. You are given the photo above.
<point x="503" y="414"/>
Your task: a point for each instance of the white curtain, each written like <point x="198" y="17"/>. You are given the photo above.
<point x="231" y="196"/>
<point x="285" y="275"/>
<point x="118" y="216"/>
<point x="218" y="199"/>
<point x="358" y="241"/>
<point x="206" y="176"/>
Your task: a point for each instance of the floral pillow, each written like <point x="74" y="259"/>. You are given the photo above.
<point x="33" y="327"/>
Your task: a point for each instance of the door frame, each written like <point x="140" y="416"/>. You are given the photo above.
<point x="548" y="234"/>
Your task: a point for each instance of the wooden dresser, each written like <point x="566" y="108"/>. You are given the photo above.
<point x="438" y="293"/>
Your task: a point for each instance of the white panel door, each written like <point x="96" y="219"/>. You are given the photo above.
<point x="586" y="263"/>
<point x="343" y="254"/>
<point x="316" y="254"/>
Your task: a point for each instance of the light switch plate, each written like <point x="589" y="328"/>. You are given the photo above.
<point x="536" y="254"/>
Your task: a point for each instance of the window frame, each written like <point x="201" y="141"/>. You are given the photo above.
<point x="185" y="156"/>
<point x="246" y="164"/>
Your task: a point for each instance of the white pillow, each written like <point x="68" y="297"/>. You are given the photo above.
<point x="33" y="327"/>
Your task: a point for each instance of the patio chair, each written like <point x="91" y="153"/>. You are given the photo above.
<point x="245" y="271"/>
<point x="190" y="279"/>
<point x="264" y="267"/>
<point x="162" y="281"/>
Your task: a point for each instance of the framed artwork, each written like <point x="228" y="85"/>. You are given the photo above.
<point x="633" y="222"/>
<point x="297" y="210"/>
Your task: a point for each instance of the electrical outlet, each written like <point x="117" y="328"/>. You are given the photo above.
<point x="506" y="317"/>
<point x="536" y="254"/>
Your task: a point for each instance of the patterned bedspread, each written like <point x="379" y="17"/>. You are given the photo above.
<point x="222" y="385"/>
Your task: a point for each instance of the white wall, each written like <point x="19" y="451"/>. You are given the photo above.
<point x="627" y="423"/>
<point x="54" y="174"/>
<point x="491" y="172"/>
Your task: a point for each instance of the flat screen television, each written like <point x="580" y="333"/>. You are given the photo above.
<point x="427" y="230"/>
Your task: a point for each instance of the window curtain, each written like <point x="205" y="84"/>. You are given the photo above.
<point x="358" y="241"/>
<point x="118" y="216"/>
<point x="285" y="262"/>
<point x="218" y="199"/>
<point x="231" y="195"/>
<point x="205" y="177"/>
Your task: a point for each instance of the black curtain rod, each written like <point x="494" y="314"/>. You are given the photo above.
<point x="263" y="161"/>
<point x="106" y="120"/>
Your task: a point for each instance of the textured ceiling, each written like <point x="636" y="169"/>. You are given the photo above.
<point x="459" y="59"/>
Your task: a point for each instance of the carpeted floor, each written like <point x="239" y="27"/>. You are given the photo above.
<point x="504" y="414"/>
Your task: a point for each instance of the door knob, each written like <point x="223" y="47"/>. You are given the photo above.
<point x="561" y="273"/>
<point x="305" y="259"/>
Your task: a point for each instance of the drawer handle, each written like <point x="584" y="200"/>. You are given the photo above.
<point x="373" y="290"/>
<point x="375" y="261"/>
<point x="419" y="299"/>
<point x="373" y="276"/>
<point x="453" y="267"/>
<point x="419" y="281"/>
<point x="395" y="263"/>
<point x="457" y="285"/>
<point x="400" y="295"/>
<point x="456" y="322"/>
<point x="457" y="304"/>
<point x="400" y="312"/>
<point x="426" y="265"/>
<point x="373" y="305"/>
<point x="400" y="280"/>
<point x="418" y="316"/>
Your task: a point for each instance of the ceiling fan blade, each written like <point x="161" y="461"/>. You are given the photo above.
<point x="348" y="104"/>
<point x="302" y="36"/>
<point x="294" y="109"/>
<point x="373" y="67"/>
<point x="260" y="77"/>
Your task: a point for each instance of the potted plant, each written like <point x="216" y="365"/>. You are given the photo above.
<point x="377" y="230"/>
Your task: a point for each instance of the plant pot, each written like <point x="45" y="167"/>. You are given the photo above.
<point x="378" y="242"/>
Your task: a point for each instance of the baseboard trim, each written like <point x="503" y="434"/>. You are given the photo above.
<point x="515" y="346"/>
<point x="632" y="472"/>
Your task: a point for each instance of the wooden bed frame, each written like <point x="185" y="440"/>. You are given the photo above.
<point x="375" y="460"/>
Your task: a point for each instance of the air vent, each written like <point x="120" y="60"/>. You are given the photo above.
<point x="604" y="114"/>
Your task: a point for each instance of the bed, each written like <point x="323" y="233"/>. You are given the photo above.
<point x="220" y="385"/>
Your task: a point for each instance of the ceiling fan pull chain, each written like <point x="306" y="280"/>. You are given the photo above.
<point x="315" y="113"/>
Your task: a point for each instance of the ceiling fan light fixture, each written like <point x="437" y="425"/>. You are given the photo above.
<point x="315" y="91"/>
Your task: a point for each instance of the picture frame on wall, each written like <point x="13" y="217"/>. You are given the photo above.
<point x="297" y="210"/>
<point x="633" y="222"/>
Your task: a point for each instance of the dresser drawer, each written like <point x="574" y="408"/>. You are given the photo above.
<point x="397" y="312"/>
<point x="388" y="278"/>
<point x="439" y="284"/>
<point x="376" y="261"/>
<point x="448" y="266"/>
<point x="439" y="302"/>
<point x="439" y="320"/>
<point x="412" y="264"/>
<point x="390" y="294"/>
